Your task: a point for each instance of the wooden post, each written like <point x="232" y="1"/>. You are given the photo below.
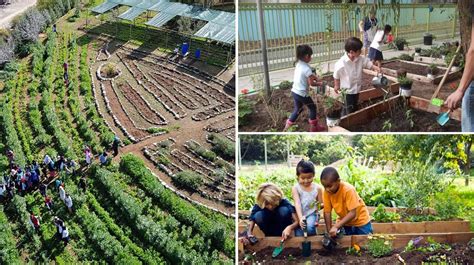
<point x="454" y="22"/>
<point x="265" y="151"/>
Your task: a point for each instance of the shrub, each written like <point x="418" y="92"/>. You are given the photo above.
<point x="382" y="216"/>
<point x="245" y="109"/>
<point x="405" y="57"/>
<point x="222" y="146"/>
<point x="188" y="180"/>
<point x="285" y="84"/>
<point x="379" y="245"/>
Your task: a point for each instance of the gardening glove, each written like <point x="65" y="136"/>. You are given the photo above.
<point x="454" y="100"/>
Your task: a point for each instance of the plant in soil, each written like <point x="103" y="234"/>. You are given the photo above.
<point x="285" y="84"/>
<point x="405" y="82"/>
<point x="398" y="44"/>
<point x="382" y="216"/>
<point x="245" y="110"/>
<point x="110" y="70"/>
<point x="354" y="250"/>
<point x="379" y="245"/>
<point x="405" y="57"/>
<point x="458" y="62"/>
<point x="432" y="69"/>
<point x="332" y="107"/>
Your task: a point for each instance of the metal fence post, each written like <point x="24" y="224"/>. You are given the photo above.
<point x="265" y="151"/>
<point x="293" y="26"/>
<point x="263" y="40"/>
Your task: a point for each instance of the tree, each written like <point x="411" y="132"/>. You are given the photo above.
<point x="465" y="22"/>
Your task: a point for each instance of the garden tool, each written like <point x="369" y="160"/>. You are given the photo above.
<point x="443" y="118"/>
<point x="330" y="243"/>
<point x="380" y="82"/>
<point x="306" y="245"/>
<point x="436" y="103"/>
<point x="277" y="251"/>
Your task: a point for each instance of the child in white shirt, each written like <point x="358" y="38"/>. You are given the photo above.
<point x="375" y="50"/>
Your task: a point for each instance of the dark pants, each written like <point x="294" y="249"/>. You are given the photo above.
<point x="115" y="147"/>
<point x="299" y="103"/>
<point x="358" y="230"/>
<point x="272" y="223"/>
<point x="351" y="103"/>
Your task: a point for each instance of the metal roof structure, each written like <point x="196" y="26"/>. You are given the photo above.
<point x="220" y="26"/>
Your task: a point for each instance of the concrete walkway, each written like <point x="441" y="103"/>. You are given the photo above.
<point x="287" y="74"/>
<point x="8" y="12"/>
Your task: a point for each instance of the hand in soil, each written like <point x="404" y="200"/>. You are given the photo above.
<point x="454" y="99"/>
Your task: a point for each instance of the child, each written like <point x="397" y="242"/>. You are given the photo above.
<point x="273" y="214"/>
<point x="306" y="194"/>
<point x="368" y="27"/>
<point x="34" y="221"/>
<point x="348" y="72"/>
<point x="68" y="202"/>
<point x="350" y="208"/>
<point x="375" y="51"/>
<point x="302" y="79"/>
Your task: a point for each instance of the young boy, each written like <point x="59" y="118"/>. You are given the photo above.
<point x="273" y="214"/>
<point x="350" y="208"/>
<point x="375" y="51"/>
<point x="348" y="72"/>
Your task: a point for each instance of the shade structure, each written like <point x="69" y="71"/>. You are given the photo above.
<point x="220" y="26"/>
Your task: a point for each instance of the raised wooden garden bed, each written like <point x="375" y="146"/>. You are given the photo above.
<point x="415" y="71"/>
<point x="429" y="60"/>
<point x="420" y="106"/>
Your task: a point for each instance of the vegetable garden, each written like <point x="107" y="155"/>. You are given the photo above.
<point x="135" y="210"/>
<point x="421" y="210"/>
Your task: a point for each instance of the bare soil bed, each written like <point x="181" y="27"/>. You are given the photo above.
<point x="459" y="254"/>
<point x="416" y="69"/>
<point x="403" y="119"/>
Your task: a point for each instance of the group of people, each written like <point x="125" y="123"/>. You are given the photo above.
<point x="276" y="216"/>
<point x="347" y="72"/>
<point x="62" y="231"/>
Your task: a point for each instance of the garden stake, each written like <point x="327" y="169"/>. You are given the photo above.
<point x="306" y="245"/>
<point x="436" y="103"/>
<point x="277" y="251"/>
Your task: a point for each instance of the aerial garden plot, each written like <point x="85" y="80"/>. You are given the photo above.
<point x="75" y="90"/>
<point x="420" y="209"/>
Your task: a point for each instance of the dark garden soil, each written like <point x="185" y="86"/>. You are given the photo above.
<point x="410" y="68"/>
<point x="366" y="81"/>
<point x="282" y="106"/>
<point x="425" y="90"/>
<point x="397" y="121"/>
<point x="459" y="254"/>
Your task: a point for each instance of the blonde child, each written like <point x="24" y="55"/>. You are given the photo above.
<point x="343" y="198"/>
<point x="302" y="79"/>
<point x="306" y="195"/>
<point x="273" y="214"/>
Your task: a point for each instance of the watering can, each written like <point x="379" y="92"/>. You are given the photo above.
<point x="306" y="245"/>
<point x="380" y="82"/>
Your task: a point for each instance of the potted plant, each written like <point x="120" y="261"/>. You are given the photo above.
<point x="432" y="70"/>
<point x="333" y="110"/>
<point x="405" y="85"/>
<point x="417" y="51"/>
<point x="406" y="57"/>
<point x="428" y="39"/>
<point x="457" y="62"/>
<point x="400" y="43"/>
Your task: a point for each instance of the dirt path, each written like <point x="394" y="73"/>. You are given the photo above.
<point x="7" y="13"/>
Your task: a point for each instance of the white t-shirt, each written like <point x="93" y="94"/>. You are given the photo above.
<point x="68" y="202"/>
<point x="378" y="40"/>
<point x="62" y="193"/>
<point x="300" y="79"/>
<point x="350" y="72"/>
<point x="65" y="233"/>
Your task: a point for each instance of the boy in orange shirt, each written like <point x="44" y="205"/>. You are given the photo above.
<point x="350" y="208"/>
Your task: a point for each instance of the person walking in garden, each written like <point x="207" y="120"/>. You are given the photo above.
<point x="65" y="235"/>
<point x="66" y="73"/>
<point x="368" y="28"/>
<point x="62" y="192"/>
<point x="48" y="202"/>
<point x="273" y="214"/>
<point x="375" y="51"/>
<point x="82" y="183"/>
<point x="88" y="155"/>
<point x="302" y="80"/>
<point x="464" y="94"/>
<point x="115" y="145"/>
<point x="348" y="72"/>
<point x="307" y="196"/>
<point x="68" y="202"/>
<point x="103" y="158"/>
<point x="42" y="189"/>
<point x="353" y="215"/>
<point x="34" y="221"/>
<point x="59" y="226"/>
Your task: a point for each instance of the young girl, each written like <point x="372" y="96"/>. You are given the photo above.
<point x="306" y="196"/>
<point x="343" y="198"/>
<point x="273" y="214"/>
<point x="375" y="50"/>
<point x="302" y="79"/>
